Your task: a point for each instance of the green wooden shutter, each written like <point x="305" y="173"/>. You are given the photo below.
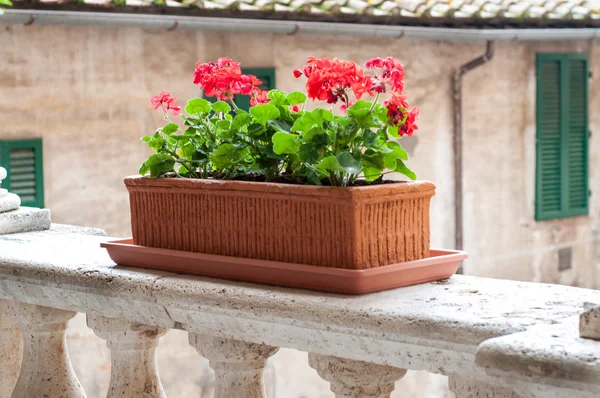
<point x="562" y="136"/>
<point x="23" y="160"/>
<point x="265" y="75"/>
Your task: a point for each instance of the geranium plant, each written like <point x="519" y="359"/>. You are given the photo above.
<point x="280" y="139"/>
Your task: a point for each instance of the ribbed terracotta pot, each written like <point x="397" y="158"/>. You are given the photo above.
<point x="349" y="227"/>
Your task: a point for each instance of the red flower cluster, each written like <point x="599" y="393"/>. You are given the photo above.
<point x="392" y="74"/>
<point x="398" y="115"/>
<point x="330" y="79"/>
<point x="259" y="97"/>
<point x="165" y="101"/>
<point x="224" y="79"/>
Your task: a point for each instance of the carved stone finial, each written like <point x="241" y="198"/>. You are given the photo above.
<point x="16" y="219"/>
<point x="8" y="201"/>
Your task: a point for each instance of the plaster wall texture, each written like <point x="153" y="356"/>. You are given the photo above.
<point x="85" y="91"/>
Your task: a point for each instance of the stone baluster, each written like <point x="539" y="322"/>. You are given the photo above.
<point x="356" y="379"/>
<point x="11" y="349"/>
<point x="464" y="388"/>
<point x="238" y="365"/>
<point x="134" y="372"/>
<point x="46" y="369"/>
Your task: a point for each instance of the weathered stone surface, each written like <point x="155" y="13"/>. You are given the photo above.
<point x="9" y="202"/>
<point x="133" y="356"/>
<point x="11" y="349"/>
<point x="46" y="369"/>
<point x="356" y="379"/>
<point x="465" y="388"/>
<point x="238" y="365"/>
<point x="24" y="219"/>
<point x="589" y="322"/>
<point x="545" y="361"/>
<point x="435" y="327"/>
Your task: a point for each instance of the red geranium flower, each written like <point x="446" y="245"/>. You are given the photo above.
<point x="392" y="75"/>
<point x="398" y="115"/>
<point x="224" y="79"/>
<point x="294" y="108"/>
<point x="165" y="101"/>
<point x="409" y="127"/>
<point x="330" y="79"/>
<point x="259" y="97"/>
<point x="344" y="107"/>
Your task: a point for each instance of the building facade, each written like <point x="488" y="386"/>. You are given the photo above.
<point x="74" y="105"/>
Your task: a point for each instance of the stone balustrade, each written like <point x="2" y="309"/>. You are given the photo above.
<point x="493" y="338"/>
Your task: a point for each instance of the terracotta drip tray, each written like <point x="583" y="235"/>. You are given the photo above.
<point x="441" y="264"/>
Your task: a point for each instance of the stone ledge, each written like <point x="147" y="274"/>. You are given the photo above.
<point x="589" y="322"/>
<point x="435" y="326"/>
<point x="24" y="219"/>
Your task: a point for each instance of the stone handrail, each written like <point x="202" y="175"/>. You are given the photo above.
<point x="493" y="338"/>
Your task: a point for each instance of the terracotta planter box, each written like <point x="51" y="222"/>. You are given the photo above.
<point x="353" y="228"/>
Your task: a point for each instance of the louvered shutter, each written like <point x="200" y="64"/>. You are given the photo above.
<point x="562" y="136"/>
<point x="577" y="137"/>
<point x="24" y="163"/>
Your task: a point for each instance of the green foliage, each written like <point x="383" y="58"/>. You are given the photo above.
<point x="316" y="146"/>
<point x="4" y="3"/>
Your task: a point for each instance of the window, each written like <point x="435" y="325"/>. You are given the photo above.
<point x="265" y="75"/>
<point x="562" y="136"/>
<point x="24" y="163"/>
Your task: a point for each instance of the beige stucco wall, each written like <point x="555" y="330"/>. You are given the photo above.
<point x="85" y="90"/>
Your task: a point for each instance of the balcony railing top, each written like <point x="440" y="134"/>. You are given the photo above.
<point x="438" y="327"/>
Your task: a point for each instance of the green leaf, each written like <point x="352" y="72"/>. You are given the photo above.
<point x="389" y="161"/>
<point x="197" y="106"/>
<point x="329" y="163"/>
<point x="397" y="150"/>
<point x="144" y="169"/>
<point x="360" y="110"/>
<point x="223" y="124"/>
<point x="224" y="155"/>
<point x="401" y="168"/>
<point x="6" y="3"/>
<point x="265" y="112"/>
<point x="314" y="118"/>
<point x="156" y="142"/>
<point x="158" y="164"/>
<point x="170" y="128"/>
<point x="313" y="178"/>
<point x="372" y="173"/>
<point x="146" y="138"/>
<point x="348" y="163"/>
<point x="285" y="143"/>
<point x="303" y="125"/>
<point x="182" y="170"/>
<point x="376" y="159"/>
<point x="280" y="125"/>
<point x="221" y="107"/>
<point x="393" y="131"/>
<point x="317" y="136"/>
<point x="296" y="98"/>
<point x="241" y="120"/>
<point x="370" y="139"/>
<point x="308" y="153"/>
<point x="278" y="98"/>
